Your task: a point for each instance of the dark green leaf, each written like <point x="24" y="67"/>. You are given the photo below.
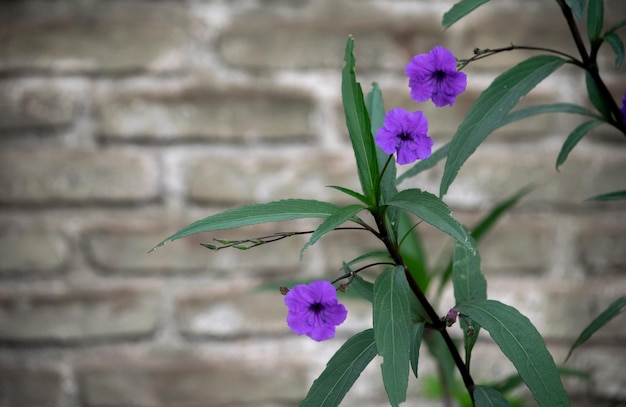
<point x="487" y="397"/>
<point x="611" y="196"/>
<point x="578" y="7"/>
<point x="392" y="319"/>
<point x="510" y="383"/>
<point x="342" y="370"/>
<point x="358" y="123"/>
<point x="573" y="139"/>
<point x="618" y="48"/>
<point x="412" y="251"/>
<point x="351" y="193"/>
<point x="493" y="104"/>
<point x="375" y="254"/>
<point x="617" y="26"/>
<point x="605" y="317"/>
<point x="596" y="97"/>
<point x="363" y="287"/>
<point x="417" y="332"/>
<point x="523" y="346"/>
<point x="432" y="210"/>
<point x="542" y="109"/>
<point x="492" y="217"/>
<point x="460" y="10"/>
<point x="423" y="165"/>
<point x="333" y="221"/>
<point x="255" y="214"/>
<point x="595" y="19"/>
<point x="469" y="284"/>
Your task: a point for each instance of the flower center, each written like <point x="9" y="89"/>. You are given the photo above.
<point x="439" y="75"/>
<point x="405" y="137"/>
<point x="316" y="307"/>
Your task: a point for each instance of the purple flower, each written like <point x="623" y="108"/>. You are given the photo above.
<point x="314" y="310"/>
<point x="404" y="133"/>
<point x="434" y="75"/>
<point x="623" y="109"/>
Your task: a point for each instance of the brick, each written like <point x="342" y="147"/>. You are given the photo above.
<point x="72" y="176"/>
<point x="271" y="43"/>
<point x="78" y="314"/>
<point x="34" y="103"/>
<point x="227" y="177"/>
<point x="206" y="114"/>
<point x="104" y="37"/>
<point x="32" y="251"/>
<point x="601" y="242"/>
<point x="30" y="386"/>
<point x="182" y="378"/>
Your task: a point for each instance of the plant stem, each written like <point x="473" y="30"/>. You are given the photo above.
<point x="436" y="322"/>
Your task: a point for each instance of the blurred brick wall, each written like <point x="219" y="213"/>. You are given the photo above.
<point x="121" y="121"/>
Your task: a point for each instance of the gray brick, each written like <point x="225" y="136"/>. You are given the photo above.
<point x="227" y="177"/>
<point x="27" y="104"/>
<point x="601" y="243"/>
<point x="30" y="386"/>
<point x="32" y="251"/>
<point x="114" y="36"/>
<point x="72" y="176"/>
<point x="206" y="114"/>
<point x="78" y="315"/>
<point x="169" y="377"/>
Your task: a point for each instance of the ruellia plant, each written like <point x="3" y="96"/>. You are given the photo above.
<point x="404" y="292"/>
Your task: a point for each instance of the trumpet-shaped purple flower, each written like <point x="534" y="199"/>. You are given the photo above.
<point x="434" y="76"/>
<point x="314" y="310"/>
<point x="405" y="133"/>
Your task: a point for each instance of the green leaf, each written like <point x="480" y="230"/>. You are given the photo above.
<point x="617" y="26"/>
<point x="485" y="396"/>
<point x="618" y="48"/>
<point x="342" y="370"/>
<point x="255" y="214"/>
<point x="611" y="196"/>
<point x="412" y="251"/>
<point x="358" y="124"/>
<point x="469" y="284"/>
<point x="523" y="346"/>
<point x="596" y="97"/>
<point x="605" y="317"/>
<point x="595" y="19"/>
<point x="432" y="210"/>
<point x="417" y="332"/>
<point x="542" y="109"/>
<point x="578" y="7"/>
<point x="493" y="104"/>
<point x="363" y="287"/>
<point x="460" y="10"/>
<point x="573" y="139"/>
<point x="392" y="319"/>
<point x="351" y="193"/>
<point x="428" y="163"/>
<point x="333" y="221"/>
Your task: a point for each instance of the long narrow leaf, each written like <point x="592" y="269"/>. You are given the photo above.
<point x="616" y="308"/>
<point x="432" y="210"/>
<point x="618" y="48"/>
<point x="358" y="124"/>
<point x="493" y="104"/>
<point x="578" y="7"/>
<point x="460" y="10"/>
<point x="611" y="196"/>
<point x="485" y="396"/>
<point x="573" y="139"/>
<point x="595" y="19"/>
<point x="392" y="319"/>
<point x="523" y="346"/>
<point x="417" y="333"/>
<point x="342" y="370"/>
<point x="596" y="97"/>
<point x="543" y="109"/>
<point x="255" y="214"/>
<point x="333" y="221"/>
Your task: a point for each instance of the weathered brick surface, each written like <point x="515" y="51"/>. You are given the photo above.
<point x="78" y="315"/>
<point x="32" y="251"/>
<point x="122" y="121"/>
<point x="115" y="36"/>
<point x="76" y="176"/>
<point x="30" y="386"/>
<point x="202" y="113"/>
